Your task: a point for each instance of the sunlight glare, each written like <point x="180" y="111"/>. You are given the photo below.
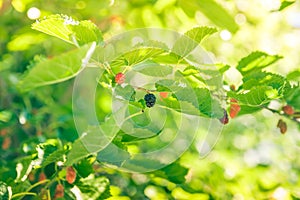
<point x="225" y="35"/>
<point x="33" y="13"/>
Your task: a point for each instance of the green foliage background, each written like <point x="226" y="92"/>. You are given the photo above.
<point x="251" y="160"/>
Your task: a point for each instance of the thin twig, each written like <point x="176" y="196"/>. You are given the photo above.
<point x="23" y="194"/>
<point x="291" y="117"/>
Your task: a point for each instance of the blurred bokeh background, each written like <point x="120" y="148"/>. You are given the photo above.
<point x="251" y="159"/>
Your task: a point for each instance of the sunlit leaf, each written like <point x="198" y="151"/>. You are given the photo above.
<point x="263" y="78"/>
<point x="5" y="116"/>
<point x="136" y="56"/>
<point x="294" y="76"/>
<point x="68" y="29"/>
<point x="191" y="39"/>
<point x="151" y="68"/>
<point x="95" y="188"/>
<point x="200" y="98"/>
<point x="55" y="70"/>
<point x="153" y="43"/>
<point x="25" y="41"/>
<point x="248" y="110"/>
<point x="169" y="58"/>
<point x="256" y="97"/>
<point x="285" y="4"/>
<point x="213" y="11"/>
<point x="255" y="62"/>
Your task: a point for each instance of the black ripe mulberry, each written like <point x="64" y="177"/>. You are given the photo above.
<point x="150" y="100"/>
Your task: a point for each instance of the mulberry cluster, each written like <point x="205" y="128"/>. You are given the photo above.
<point x="150" y="100"/>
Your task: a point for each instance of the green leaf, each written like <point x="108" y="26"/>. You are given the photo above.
<point x="191" y="39"/>
<point x="54" y="157"/>
<point x="85" y="167"/>
<point x="93" y="140"/>
<point x="50" y="71"/>
<point x="140" y="164"/>
<point x="139" y="134"/>
<point x="167" y="85"/>
<point x="180" y="106"/>
<point x="95" y="188"/>
<point x="153" y="43"/>
<point x="151" y="68"/>
<point x="193" y="76"/>
<point x="84" y="147"/>
<point x="255" y="62"/>
<point x="130" y="138"/>
<point x="125" y="93"/>
<point x="6" y="62"/>
<point x="138" y="118"/>
<point x="199" y="33"/>
<point x="285" y="4"/>
<point x="136" y="56"/>
<point x="207" y="105"/>
<point x="255" y="97"/>
<point x="87" y="32"/>
<point x="213" y="11"/>
<point x="69" y="30"/>
<point x="77" y="153"/>
<point x="115" y="154"/>
<point x="248" y="110"/>
<point x="169" y="58"/>
<point x="200" y="98"/>
<point x="205" y="75"/>
<point x="45" y="150"/>
<point x="222" y="68"/>
<point x="174" y="172"/>
<point x="25" y="41"/>
<point x="5" y="116"/>
<point x="20" y="187"/>
<point x="140" y="124"/>
<point x="263" y="78"/>
<point x="4" y="194"/>
<point x="292" y="96"/>
<point x="294" y="76"/>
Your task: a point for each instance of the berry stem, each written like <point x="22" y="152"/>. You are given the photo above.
<point x="125" y="69"/>
<point x="23" y="194"/>
<point x="37" y="184"/>
<point x="133" y="115"/>
<point x="143" y="89"/>
<point x="292" y="117"/>
<point x="106" y="67"/>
